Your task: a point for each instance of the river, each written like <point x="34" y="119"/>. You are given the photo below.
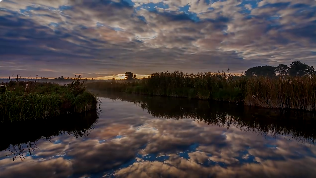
<point x="140" y="136"/>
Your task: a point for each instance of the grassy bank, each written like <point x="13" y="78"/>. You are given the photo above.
<point x="24" y="101"/>
<point x="285" y="93"/>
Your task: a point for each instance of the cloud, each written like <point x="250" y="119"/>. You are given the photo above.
<point x="116" y="36"/>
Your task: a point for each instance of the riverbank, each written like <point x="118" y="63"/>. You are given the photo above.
<point x="24" y="101"/>
<point x="283" y="93"/>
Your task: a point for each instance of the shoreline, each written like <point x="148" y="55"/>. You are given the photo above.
<point x="297" y="93"/>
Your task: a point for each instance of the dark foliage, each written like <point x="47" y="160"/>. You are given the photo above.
<point x="32" y="101"/>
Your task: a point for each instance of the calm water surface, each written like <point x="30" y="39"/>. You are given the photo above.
<point x="137" y="136"/>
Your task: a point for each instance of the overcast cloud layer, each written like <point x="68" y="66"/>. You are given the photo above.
<point x="99" y="38"/>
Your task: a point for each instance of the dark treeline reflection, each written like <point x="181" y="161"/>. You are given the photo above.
<point x="300" y="125"/>
<point x="20" y="138"/>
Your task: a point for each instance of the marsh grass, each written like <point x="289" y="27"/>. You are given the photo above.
<point x="32" y="101"/>
<point x="289" y="92"/>
<point x="277" y="92"/>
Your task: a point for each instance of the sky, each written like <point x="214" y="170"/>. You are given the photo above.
<point x="102" y="38"/>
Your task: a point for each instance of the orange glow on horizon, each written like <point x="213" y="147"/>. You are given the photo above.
<point x="116" y="77"/>
<point x="120" y="77"/>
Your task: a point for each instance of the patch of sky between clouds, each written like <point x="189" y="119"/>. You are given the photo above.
<point x="142" y="18"/>
<point x="129" y="2"/>
<point x="40" y="7"/>
<point x="279" y="5"/>
<point x="53" y="24"/>
<point x="152" y="6"/>
<point x="244" y="5"/>
<point x="275" y="24"/>
<point x="28" y="10"/>
<point x="65" y="7"/>
<point x="113" y="28"/>
<point x="193" y="16"/>
<point x="12" y="12"/>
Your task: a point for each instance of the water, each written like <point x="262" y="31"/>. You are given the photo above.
<point x="138" y="136"/>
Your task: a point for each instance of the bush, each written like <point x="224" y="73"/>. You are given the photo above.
<point x="43" y="100"/>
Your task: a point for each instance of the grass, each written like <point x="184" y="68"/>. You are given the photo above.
<point x="25" y="101"/>
<point x="291" y="92"/>
<point x="285" y="93"/>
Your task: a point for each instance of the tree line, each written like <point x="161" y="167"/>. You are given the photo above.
<point x="296" y="68"/>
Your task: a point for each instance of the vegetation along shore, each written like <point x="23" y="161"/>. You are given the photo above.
<point x="24" y="101"/>
<point x="293" y="88"/>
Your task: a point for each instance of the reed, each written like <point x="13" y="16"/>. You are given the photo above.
<point x="25" y="101"/>
<point x="288" y="92"/>
<point x="278" y="92"/>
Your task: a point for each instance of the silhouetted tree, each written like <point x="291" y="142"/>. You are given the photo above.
<point x="298" y="68"/>
<point x="268" y="71"/>
<point x="282" y="69"/>
<point x="129" y="76"/>
<point x="61" y="78"/>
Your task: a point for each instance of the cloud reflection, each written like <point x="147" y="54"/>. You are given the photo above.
<point x="129" y="142"/>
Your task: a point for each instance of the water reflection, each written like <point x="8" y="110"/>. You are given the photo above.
<point x="299" y="124"/>
<point x="184" y="140"/>
<point x="20" y="138"/>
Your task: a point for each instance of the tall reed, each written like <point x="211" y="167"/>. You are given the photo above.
<point x="288" y="92"/>
<point x="43" y="100"/>
<point x="285" y="92"/>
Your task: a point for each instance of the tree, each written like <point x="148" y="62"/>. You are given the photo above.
<point x="298" y="68"/>
<point x="282" y="69"/>
<point x="129" y="76"/>
<point x="267" y="71"/>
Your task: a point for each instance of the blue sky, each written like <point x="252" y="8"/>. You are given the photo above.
<point x="98" y="38"/>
